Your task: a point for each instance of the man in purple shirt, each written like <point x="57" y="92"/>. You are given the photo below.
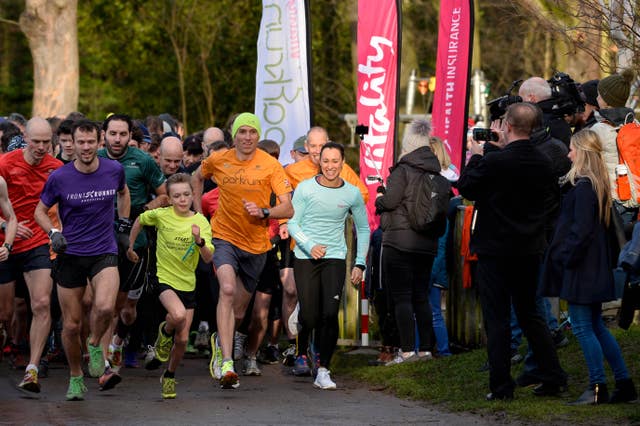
<point x="87" y="248"/>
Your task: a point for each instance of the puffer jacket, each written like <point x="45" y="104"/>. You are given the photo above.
<point x="609" y="122"/>
<point x="402" y="186"/>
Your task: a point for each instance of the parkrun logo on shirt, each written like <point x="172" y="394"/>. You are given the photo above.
<point x="90" y="196"/>
<point x="240" y="179"/>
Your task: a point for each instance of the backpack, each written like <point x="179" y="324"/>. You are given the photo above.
<point x="428" y="214"/>
<point x="628" y="169"/>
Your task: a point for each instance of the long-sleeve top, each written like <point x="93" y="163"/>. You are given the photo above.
<point x="319" y="218"/>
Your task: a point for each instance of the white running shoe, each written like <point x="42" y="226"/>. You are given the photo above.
<point x="251" y="367"/>
<point x="323" y="380"/>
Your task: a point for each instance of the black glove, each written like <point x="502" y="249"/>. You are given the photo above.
<point x="123" y="229"/>
<point x="58" y="242"/>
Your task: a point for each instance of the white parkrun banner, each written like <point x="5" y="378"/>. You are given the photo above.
<point x="282" y="86"/>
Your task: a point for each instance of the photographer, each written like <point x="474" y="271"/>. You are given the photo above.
<point x="509" y="187"/>
<point x="538" y="91"/>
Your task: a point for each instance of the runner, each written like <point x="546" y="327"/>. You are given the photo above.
<point x="179" y="247"/>
<point x="246" y="178"/>
<point x="25" y="172"/>
<point x="321" y="206"/>
<point x="306" y="168"/>
<point x="85" y="190"/>
<point x="143" y="175"/>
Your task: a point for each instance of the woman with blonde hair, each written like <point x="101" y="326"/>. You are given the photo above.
<point x="578" y="268"/>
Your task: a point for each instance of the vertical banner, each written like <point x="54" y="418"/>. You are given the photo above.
<point x="451" y="98"/>
<point x="378" y="72"/>
<point x="282" y="75"/>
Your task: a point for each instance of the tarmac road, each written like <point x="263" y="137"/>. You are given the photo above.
<point x="275" y="398"/>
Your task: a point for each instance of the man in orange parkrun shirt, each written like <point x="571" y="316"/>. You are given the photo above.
<point x="317" y="137"/>
<point x="26" y="171"/>
<point x="246" y="177"/>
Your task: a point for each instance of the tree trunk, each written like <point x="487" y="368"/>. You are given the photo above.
<point x="51" y="29"/>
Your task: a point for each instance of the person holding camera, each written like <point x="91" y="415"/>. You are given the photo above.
<point x="509" y="239"/>
<point x="538" y="91"/>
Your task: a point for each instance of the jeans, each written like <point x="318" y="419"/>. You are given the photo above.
<point x="596" y="341"/>
<point x="439" y="327"/>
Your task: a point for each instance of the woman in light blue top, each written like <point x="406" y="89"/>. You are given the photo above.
<point x="321" y="206"/>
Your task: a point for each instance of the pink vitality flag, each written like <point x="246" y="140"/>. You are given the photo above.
<point x="378" y="66"/>
<point x="450" y="101"/>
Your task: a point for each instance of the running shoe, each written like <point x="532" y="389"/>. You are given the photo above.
<point x="215" y="365"/>
<point x="43" y="369"/>
<point x="251" y="367"/>
<point x="168" y="387"/>
<point x="109" y="379"/>
<point x="238" y="345"/>
<point x="202" y="338"/>
<point x="229" y="378"/>
<point x="289" y="355"/>
<point x="115" y="357"/>
<point x="151" y="362"/>
<point x="130" y="358"/>
<point x="270" y="355"/>
<point x="163" y="344"/>
<point x="76" y="389"/>
<point x="323" y="380"/>
<point x="301" y="366"/>
<point x="96" y="360"/>
<point x="30" y="381"/>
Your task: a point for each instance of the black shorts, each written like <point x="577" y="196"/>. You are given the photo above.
<point x="286" y="254"/>
<point x="71" y="271"/>
<point x="270" y="277"/>
<point x="248" y="266"/>
<point x="133" y="275"/>
<point x="188" y="298"/>
<point x="14" y="267"/>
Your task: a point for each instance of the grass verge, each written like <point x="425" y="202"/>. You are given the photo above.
<point x="456" y="384"/>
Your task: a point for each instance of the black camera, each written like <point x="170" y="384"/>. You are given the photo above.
<point x="566" y="95"/>
<point x="498" y="106"/>
<point x="485" y="135"/>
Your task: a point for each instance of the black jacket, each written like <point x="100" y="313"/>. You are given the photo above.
<point x="557" y="152"/>
<point x="509" y="188"/>
<point x="555" y="122"/>
<point x="401" y="190"/>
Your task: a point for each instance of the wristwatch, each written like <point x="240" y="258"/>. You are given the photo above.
<point x="201" y="243"/>
<point x="266" y="213"/>
<point x="8" y="246"/>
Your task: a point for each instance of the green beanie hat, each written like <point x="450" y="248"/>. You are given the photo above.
<point x="246" y="119"/>
<point x="615" y="89"/>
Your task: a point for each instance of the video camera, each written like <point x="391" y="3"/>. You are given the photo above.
<point x="566" y="94"/>
<point x="498" y="106"/>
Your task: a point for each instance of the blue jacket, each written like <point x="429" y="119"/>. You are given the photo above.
<point x="578" y="264"/>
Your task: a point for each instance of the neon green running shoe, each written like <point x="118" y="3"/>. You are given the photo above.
<point x="76" y="389"/>
<point x="168" y="387"/>
<point x="215" y="364"/>
<point x="229" y="379"/>
<point x="163" y="344"/>
<point x="96" y="360"/>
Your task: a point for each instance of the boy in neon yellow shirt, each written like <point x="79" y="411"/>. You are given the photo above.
<point x="180" y="244"/>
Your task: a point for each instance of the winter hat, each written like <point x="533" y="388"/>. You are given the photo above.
<point x="615" y="89"/>
<point x="590" y="90"/>
<point x="416" y="135"/>
<point x="246" y="119"/>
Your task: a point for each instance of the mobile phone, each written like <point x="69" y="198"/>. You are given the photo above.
<point x="484" y="135"/>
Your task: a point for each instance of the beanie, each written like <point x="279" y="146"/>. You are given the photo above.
<point x="245" y="119"/>
<point x="615" y="89"/>
<point x="590" y="90"/>
<point x="416" y="136"/>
